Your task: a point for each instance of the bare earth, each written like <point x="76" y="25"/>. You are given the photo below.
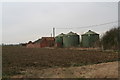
<point x="103" y="70"/>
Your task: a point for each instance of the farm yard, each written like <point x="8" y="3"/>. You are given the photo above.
<point x="60" y="40"/>
<point x="17" y="60"/>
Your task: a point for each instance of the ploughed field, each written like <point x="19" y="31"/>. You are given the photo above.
<point x="16" y="59"/>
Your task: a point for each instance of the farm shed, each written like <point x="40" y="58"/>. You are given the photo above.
<point x="37" y="43"/>
<point x="43" y="42"/>
<point x="47" y="42"/>
<point x="71" y="40"/>
<point x="30" y="44"/>
<point x="89" y="39"/>
<point x="59" y="40"/>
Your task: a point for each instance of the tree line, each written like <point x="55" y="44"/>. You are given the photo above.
<point x="111" y="39"/>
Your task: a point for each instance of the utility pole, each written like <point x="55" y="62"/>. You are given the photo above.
<point x="53" y="32"/>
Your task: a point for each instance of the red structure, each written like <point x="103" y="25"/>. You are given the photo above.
<point x="58" y="45"/>
<point x="43" y="42"/>
<point x="47" y="42"/>
<point x="30" y="44"/>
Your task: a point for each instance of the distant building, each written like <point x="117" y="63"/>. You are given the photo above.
<point x="43" y="42"/>
<point x="30" y="44"/>
<point x="47" y="42"/>
<point x="89" y="39"/>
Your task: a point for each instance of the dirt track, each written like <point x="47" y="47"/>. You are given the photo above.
<point x="103" y="70"/>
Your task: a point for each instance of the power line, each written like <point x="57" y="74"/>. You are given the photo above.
<point x="91" y="25"/>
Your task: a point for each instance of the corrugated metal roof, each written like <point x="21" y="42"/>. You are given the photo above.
<point x="72" y="33"/>
<point x="60" y="35"/>
<point x="42" y="39"/>
<point x="37" y="41"/>
<point x="90" y="32"/>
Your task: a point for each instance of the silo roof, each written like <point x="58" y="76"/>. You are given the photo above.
<point x="72" y="33"/>
<point x="60" y="35"/>
<point x="90" y="32"/>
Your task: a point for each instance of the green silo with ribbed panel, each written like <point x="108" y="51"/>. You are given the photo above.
<point x="89" y="39"/>
<point x="71" y="40"/>
<point x="59" y="39"/>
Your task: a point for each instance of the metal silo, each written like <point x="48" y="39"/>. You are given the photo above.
<point x="59" y="40"/>
<point x="71" y="40"/>
<point x="89" y="38"/>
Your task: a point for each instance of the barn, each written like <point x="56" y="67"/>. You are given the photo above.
<point x="43" y="42"/>
<point x="47" y="42"/>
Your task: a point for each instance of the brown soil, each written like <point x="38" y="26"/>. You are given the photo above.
<point x="103" y="70"/>
<point x="17" y="60"/>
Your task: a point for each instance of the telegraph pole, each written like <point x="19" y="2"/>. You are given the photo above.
<point x="53" y="32"/>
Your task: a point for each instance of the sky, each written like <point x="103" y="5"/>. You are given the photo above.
<point x="29" y="21"/>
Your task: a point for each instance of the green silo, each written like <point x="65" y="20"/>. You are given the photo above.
<point x="59" y="40"/>
<point x="89" y="39"/>
<point x="71" y="40"/>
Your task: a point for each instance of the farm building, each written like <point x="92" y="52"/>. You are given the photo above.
<point x="47" y="42"/>
<point x="30" y="44"/>
<point x="59" y="40"/>
<point x="71" y="40"/>
<point x="43" y="42"/>
<point x="89" y="39"/>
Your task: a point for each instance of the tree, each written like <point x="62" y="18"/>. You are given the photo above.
<point x="111" y="39"/>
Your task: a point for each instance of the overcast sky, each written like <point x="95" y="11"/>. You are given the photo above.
<point x="25" y="21"/>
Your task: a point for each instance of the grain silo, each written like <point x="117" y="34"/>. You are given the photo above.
<point x="71" y="40"/>
<point x="59" y="40"/>
<point x="89" y="39"/>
